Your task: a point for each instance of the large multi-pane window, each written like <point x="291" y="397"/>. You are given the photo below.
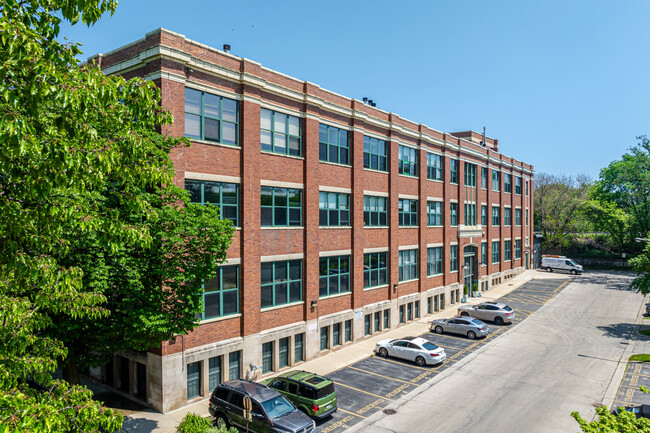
<point x="484" y="253"/>
<point x="408" y="161"/>
<point x="507" y="183"/>
<point x="484" y="215"/>
<point x="434" y="213"/>
<point x="496" y="180"/>
<point x="517" y="217"/>
<point x="334" y="144"/>
<point x="211" y="117"/>
<point x="470" y="174"/>
<point x="281" y="282"/>
<point x="453" y="258"/>
<point x="375" y="270"/>
<point x="221" y="294"/>
<point x="518" y="185"/>
<point x="434" y="166"/>
<point x="517" y="248"/>
<point x="507" y="216"/>
<point x="453" y="170"/>
<point x="496" y="255"/>
<point x="453" y="214"/>
<point x="507" y="251"/>
<point x="267" y="357"/>
<point x="484" y="176"/>
<point x="334" y="275"/>
<point x="193" y="379"/>
<point x="280" y="133"/>
<point x="496" y="215"/>
<point x="281" y="207"/>
<point x="375" y="154"/>
<point x="434" y="261"/>
<point x="334" y="209"/>
<point x="375" y="211"/>
<point x="224" y="195"/>
<point x="470" y="214"/>
<point x="408" y="212"/>
<point x="408" y="265"/>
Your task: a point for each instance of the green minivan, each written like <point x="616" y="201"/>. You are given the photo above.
<point x="311" y="393"/>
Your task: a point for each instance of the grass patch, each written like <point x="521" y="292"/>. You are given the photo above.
<point x="640" y="357"/>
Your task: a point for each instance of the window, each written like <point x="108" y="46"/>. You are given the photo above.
<point x="386" y="319"/>
<point x="375" y="154"/>
<point x="496" y="180"/>
<point x="221" y="294"/>
<point x="453" y="214"/>
<point x="298" y="351"/>
<point x="416" y="309"/>
<point x="375" y="213"/>
<point x="507" y="216"/>
<point x="496" y="256"/>
<point x="366" y="324"/>
<point x="214" y="372"/>
<point x="507" y="251"/>
<point x="526" y="188"/>
<point x="267" y="357"/>
<point x="434" y="213"/>
<point x="496" y="215"/>
<point x="409" y="311"/>
<point x="375" y="270"/>
<point x="334" y="209"/>
<point x="507" y="183"/>
<point x="234" y="361"/>
<point x="334" y="275"/>
<point x="518" y="249"/>
<point x="470" y="214"/>
<point x="453" y="170"/>
<point x="281" y="282"/>
<point x="211" y="117"/>
<point x="434" y="261"/>
<point x="453" y="258"/>
<point x="429" y="306"/>
<point x="484" y="253"/>
<point x="408" y="265"/>
<point x="470" y="174"/>
<point x="224" y="195"/>
<point x="324" y="337"/>
<point x="193" y="379"/>
<point x="518" y="185"/>
<point x="408" y="161"/>
<point x="283" y="352"/>
<point x="377" y="321"/>
<point x="484" y="215"/>
<point x="401" y="314"/>
<point x="348" y="330"/>
<point x="280" y="133"/>
<point x="526" y="217"/>
<point x="336" y="334"/>
<point x="334" y="145"/>
<point x="484" y="175"/>
<point x="434" y="166"/>
<point x="517" y="217"/>
<point x="408" y="212"/>
<point x="281" y="207"/>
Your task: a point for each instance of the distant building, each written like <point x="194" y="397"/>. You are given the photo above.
<point x="350" y="220"/>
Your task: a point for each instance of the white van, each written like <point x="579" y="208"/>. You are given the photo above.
<point x="561" y="263"/>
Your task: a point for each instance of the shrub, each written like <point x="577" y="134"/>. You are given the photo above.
<point x="193" y="423"/>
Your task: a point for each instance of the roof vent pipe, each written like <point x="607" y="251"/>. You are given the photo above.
<point x="365" y="100"/>
<point x="226" y="48"/>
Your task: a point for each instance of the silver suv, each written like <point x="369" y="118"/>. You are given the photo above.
<point x="496" y="312"/>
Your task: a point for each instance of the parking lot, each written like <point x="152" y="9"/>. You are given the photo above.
<point x="371" y="384"/>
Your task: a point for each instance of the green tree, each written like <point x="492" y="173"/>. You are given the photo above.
<point x="641" y="264"/>
<point x="608" y="422"/>
<point x="608" y="217"/>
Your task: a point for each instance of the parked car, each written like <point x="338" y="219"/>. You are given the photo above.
<point x="315" y="395"/>
<point x="470" y="327"/>
<point x="641" y="411"/>
<point x="560" y="263"/>
<point x="271" y="411"/>
<point x="416" y="349"/>
<point x="496" y="312"/>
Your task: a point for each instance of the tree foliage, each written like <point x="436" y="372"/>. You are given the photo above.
<point x="608" y="422"/>
<point x="641" y="264"/>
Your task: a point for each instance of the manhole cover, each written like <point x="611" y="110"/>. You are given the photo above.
<point x="389" y="411"/>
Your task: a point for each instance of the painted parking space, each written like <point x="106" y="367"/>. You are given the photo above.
<point x="637" y="374"/>
<point x="370" y="385"/>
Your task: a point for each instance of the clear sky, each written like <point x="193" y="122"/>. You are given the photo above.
<point x="564" y="85"/>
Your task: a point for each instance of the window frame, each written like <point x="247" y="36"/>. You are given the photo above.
<point x="221" y="292"/>
<point x="410" y="214"/>
<point x="369" y="269"/>
<point x="368" y="153"/>
<point x="496" y="180"/>
<point x="287" y="134"/>
<point x="370" y="211"/>
<point x="278" y="281"/>
<point x="496" y="217"/>
<point x="341" y="148"/>
<point x="203" y="116"/>
<point x="341" y="209"/>
<point x="517" y="216"/>
<point x="507" y="183"/>
<point x="518" y="185"/>
<point x="288" y="207"/>
<point x="408" y="265"/>
<point x="470" y="174"/>
<point x="221" y="204"/>
<point x="507" y="251"/>
<point x="435" y="166"/>
<point x="496" y="253"/>
<point x="435" y="257"/>
<point x="507" y="216"/>
<point x="453" y="258"/>
<point x="408" y="166"/>
<point x="329" y="277"/>
<point x="434" y="213"/>
<point x="453" y="171"/>
<point x="453" y="214"/>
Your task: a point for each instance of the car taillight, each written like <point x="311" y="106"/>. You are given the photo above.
<point x="508" y="314"/>
<point x="314" y="407"/>
<point x="434" y="354"/>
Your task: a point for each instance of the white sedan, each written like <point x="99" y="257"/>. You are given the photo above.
<point x="416" y="349"/>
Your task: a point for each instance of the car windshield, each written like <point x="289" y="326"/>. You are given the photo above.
<point x="507" y="308"/>
<point x="429" y="346"/>
<point x="571" y="262"/>
<point x="277" y="407"/>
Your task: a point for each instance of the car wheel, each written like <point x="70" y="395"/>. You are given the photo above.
<point x="549" y="270"/>
<point x="383" y="352"/>
<point x="420" y="361"/>
<point x="220" y="421"/>
<point x="471" y="335"/>
<point x="498" y="320"/>
<point x="464" y="313"/>
<point x="439" y="329"/>
<point x="573" y="272"/>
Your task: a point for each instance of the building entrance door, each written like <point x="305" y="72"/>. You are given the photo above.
<point x="469" y="269"/>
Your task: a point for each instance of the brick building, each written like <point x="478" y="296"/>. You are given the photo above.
<point x="350" y="220"/>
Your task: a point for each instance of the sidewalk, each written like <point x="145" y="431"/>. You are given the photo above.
<point x="150" y="421"/>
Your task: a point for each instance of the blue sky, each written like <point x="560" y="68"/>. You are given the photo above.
<point x="563" y="84"/>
